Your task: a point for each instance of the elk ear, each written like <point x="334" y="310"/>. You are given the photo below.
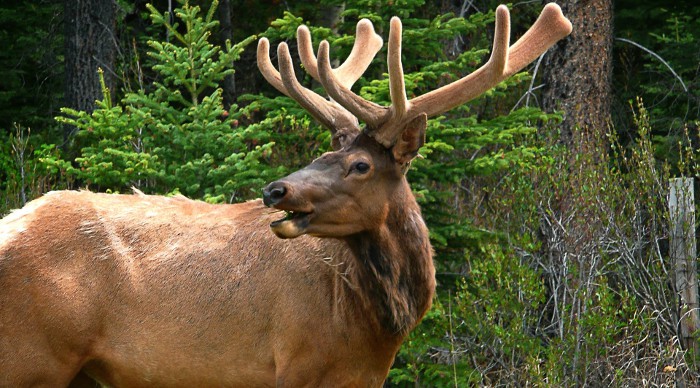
<point x="411" y="140"/>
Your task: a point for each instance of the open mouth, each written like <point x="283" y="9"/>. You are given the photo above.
<point x="291" y="216"/>
<point x="293" y="224"/>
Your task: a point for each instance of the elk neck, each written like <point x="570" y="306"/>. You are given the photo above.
<point x="394" y="274"/>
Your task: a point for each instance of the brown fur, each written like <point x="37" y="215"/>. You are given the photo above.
<point x="142" y="290"/>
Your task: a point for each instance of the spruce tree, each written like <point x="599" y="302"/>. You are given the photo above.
<point x="174" y="135"/>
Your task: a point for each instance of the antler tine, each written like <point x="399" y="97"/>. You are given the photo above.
<point x="370" y="113"/>
<point x="329" y="114"/>
<point x="550" y="27"/>
<point x="267" y="69"/>
<point x="397" y="86"/>
<point x="387" y="131"/>
<point x="501" y="40"/>
<point x="306" y="52"/>
<point x="367" y="44"/>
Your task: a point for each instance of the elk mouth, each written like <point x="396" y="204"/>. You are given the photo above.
<point x="293" y="224"/>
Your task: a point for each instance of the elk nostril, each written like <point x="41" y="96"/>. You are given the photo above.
<point x="278" y="193"/>
<point x="274" y="193"/>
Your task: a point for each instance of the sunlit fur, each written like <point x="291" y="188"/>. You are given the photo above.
<point x="140" y="290"/>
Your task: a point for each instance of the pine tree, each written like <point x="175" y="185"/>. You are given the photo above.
<point x="174" y="135"/>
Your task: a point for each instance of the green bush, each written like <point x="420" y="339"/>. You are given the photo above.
<point x="22" y="175"/>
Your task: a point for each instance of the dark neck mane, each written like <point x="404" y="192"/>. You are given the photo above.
<point x="394" y="274"/>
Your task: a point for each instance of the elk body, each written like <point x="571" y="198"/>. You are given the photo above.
<point x="136" y="290"/>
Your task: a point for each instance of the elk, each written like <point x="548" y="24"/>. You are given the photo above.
<point x="138" y="290"/>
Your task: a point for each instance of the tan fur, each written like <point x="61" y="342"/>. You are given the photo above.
<point x="152" y="291"/>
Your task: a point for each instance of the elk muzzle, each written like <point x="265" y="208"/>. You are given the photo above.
<point x="296" y="215"/>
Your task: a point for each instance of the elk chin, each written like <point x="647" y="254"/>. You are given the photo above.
<point x="294" y="224"/>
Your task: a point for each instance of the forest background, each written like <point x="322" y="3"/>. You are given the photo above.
<point x="546" y="198"/>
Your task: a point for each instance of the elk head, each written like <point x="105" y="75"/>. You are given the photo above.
<point x="350" y="189"/>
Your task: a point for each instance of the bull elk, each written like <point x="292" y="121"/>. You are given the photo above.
<point x="137" y="290"/>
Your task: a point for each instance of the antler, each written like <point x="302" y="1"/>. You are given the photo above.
<point x="328" y="113"/>
<point x="386" y="123"/>
<point x="367" y="45"/>
<point x="550" y="27"/>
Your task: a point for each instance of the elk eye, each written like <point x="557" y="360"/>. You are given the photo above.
<point x="361" y="167"/>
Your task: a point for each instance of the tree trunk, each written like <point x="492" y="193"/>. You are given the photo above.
<point x="577" y="72"/>
<point x="577" y="77"/>
<point x="331" y="16"/>
<point x="90" y="43"/>
<point x="226" y="33"/>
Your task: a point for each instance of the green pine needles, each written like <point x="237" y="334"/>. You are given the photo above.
<point x="173" y="135"/>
